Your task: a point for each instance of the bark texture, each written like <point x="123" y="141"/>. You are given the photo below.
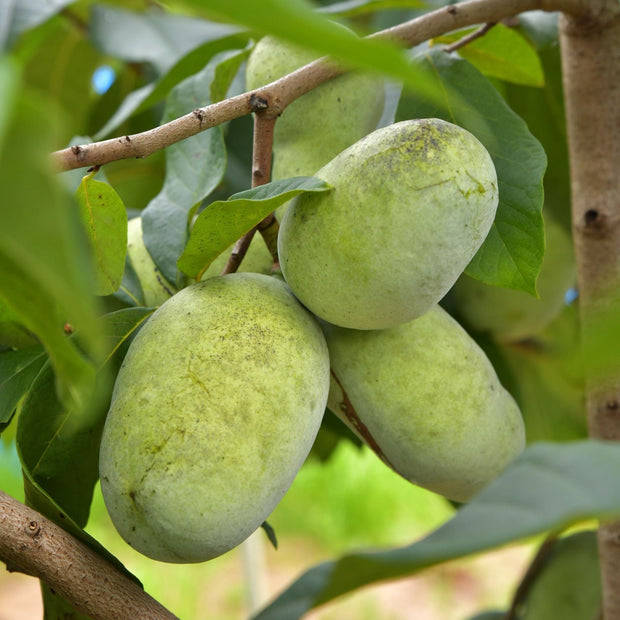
<point x="32" y="544"/>
<point x="591" y="73"/>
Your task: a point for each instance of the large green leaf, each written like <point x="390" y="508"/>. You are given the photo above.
<point x="17" y="372"/>
<point x="59" y="445"/>
<point x="502" y="53"/>
<point x="223" y="222"/>
<point x="512" y="252"/>
<point x="105" y="219"/>
<point x="297" y="22"/>
<point x="45" y="276"/>
<point x="188" y="65"/>
<point x="549" y="487"/>
<point x="194" y="167"/>
<point x="156" y="37"/>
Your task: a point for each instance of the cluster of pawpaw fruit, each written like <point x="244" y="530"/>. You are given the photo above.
<point x="222" y="392"/>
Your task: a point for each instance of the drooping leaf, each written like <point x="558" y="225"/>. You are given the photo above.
<point x="549" y="487"/>
<point x="354" y="8"/>
<point x="190" y="64"/>
<point x="297" y="22"/>
<point x="17" y="16"/>
<point x="223" y="222"/>
<point x="194" y="167"/>
<point x="18" y="370"/>
<point x="105" y="219"/>
<point x="502" y="53"/>
<point x="512" y="252"/>
<point x="45" y="276"/>
<point x="159" y="38"/>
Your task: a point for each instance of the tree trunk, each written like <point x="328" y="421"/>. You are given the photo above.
<point x="591" y="74"/>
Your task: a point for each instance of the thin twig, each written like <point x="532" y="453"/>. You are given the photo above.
<point x="264" y="125"/>
<point x="530" y="576"/>
<point x="277" y="95"/>
<point x="472" y="36"/>
<point x="31" y="544"/>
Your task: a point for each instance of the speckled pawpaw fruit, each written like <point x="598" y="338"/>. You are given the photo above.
<point x="411" y="205"/>
<point x="426" y="399"/>
<point x="214" y="410"/>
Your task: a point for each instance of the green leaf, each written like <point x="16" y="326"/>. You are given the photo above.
<point x="354" y="8"/>
<point x="145" y="97"/>
<point x="194" y="167"/>
<point x="548" y="487"/>
<point x="105" y="219"/>
<point x="58" y="445"/>
<point x="544" y="110"/>
<point x="512" y="253"/>
<point x="225" y="221"/>
<point x="45" y="276"/>
<point x="156" y="37"/>
<point x="297" y="22"/>
<point x="18" y="370"/>
<point x="502" y="53"/>
<point x="17" y="16"/>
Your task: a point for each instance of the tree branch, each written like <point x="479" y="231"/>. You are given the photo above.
<point x="277" y="95"/>
<point x="264" y="125"/>
<point x="530" y="576"/>
<point x="472" y="36"/>
<point x="32" y="544"/>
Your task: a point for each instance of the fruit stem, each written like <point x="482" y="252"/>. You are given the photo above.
<point x="264" y="125"/>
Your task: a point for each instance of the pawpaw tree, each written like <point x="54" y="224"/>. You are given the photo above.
<point x="138" y="142"/>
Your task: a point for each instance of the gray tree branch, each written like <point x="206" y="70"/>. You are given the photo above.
<point x="276" y="96"/>
<point x="32" y="544"/>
